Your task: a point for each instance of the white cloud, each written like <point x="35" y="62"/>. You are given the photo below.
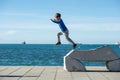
<point x="96" y="27"/>
<point x="29" y="26"/>
<point x="94" y="19"/>
<point x="16" y="14"/>
<point x="10" y="32"/>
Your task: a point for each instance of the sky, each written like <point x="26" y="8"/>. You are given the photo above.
<point x="88" y="21"/>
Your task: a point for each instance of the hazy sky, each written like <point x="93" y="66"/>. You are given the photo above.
<point x="89" y="21"/>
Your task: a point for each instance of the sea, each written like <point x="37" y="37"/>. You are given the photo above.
<point x="44" y="54"/>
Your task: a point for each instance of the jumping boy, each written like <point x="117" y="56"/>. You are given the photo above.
<point x="57" y="19"/>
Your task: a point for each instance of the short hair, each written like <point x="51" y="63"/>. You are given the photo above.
<point x="58" y="14"/>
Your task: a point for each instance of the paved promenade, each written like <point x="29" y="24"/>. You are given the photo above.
<point x="55" y="73"/>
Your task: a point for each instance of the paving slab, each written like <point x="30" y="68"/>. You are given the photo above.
<point x="55" y="73"/>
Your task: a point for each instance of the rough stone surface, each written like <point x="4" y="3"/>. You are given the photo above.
<point x="113" y="65"/>
<point x="76" y="65"/>
<point x="102" y="54"/>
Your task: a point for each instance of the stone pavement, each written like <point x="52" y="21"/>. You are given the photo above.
<point x="55" y="73"/>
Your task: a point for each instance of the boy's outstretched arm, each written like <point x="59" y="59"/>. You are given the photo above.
<point x="55" y="21"/>
<point x="51" y="19"/>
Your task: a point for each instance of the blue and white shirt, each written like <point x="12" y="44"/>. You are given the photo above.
<point x="61" y="24"/>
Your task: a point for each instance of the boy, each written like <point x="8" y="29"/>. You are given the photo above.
<point x="57" y="19"/>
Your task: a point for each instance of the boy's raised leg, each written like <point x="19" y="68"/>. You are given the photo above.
<point x="58" y="36"/>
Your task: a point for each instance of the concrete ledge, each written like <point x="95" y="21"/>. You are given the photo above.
<point x="102" y="54"/>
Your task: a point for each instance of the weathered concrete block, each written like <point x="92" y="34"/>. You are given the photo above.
<point x="71" y="64"/>
<point x="113" y="65"/>
<point x="102" y="54"/>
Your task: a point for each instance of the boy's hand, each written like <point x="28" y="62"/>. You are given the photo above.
<point x="51" y="19"/>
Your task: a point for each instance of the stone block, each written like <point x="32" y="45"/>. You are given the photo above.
<point x="72" y="61"/>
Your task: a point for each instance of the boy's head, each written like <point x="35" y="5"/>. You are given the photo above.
<point x="57" y="16"/>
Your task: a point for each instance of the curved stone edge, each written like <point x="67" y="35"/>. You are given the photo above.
<point x="71" y="64"/>
<point x="113" y="65"/>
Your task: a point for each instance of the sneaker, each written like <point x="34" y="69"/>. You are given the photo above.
<point x="74" y="46"/>
<point x="58" y="43"/>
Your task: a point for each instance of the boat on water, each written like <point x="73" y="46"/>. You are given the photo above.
<point x="24" y="42"/>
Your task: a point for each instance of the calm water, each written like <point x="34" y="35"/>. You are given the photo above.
<point x="41" y="54"/>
